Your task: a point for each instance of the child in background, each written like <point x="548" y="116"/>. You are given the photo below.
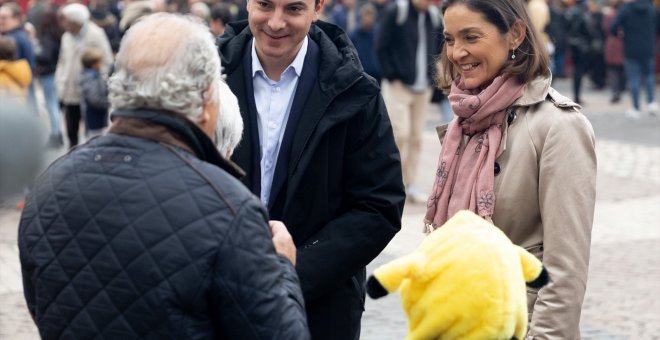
<point x="94" y="102"/>
<point x="15" y="75"/>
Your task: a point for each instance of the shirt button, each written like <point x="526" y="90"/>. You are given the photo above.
<point x="272" y="125"/>
<point x="277" y="89"/>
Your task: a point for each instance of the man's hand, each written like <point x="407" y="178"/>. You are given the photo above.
<point x="283" y="241"/>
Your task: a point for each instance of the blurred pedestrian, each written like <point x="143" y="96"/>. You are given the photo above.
<point x="596" y="55"/>
<point x="364" y="39"/>
<point x="345" y="15"/>
<point x="11" y="25"/>
<point x="318" y="150"/>
<point x="21" y="151"/>
<point x="220" y="16"/>
<point x="517" y="153"/>
<point x="15" y="75"/>
<point x="80" y="35"/>
<point x="94" y="92"/>
<point x="613" y="53"/>
<point x="230" y="123"/>
<point x="103" y="17"/>
<point x="409" y="39"/>
<point x="49" y="33"/>
<point x="164" y="241"/>
<point x="636" y="22"/>
<point x="556" y="31"/>
<point x="582" y="31"/>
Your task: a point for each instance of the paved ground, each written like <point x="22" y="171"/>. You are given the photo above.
<point x="622" y="293"/>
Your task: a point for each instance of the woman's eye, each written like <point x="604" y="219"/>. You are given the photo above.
<point x="471" y="38"/>
<point x="449" y="41"/>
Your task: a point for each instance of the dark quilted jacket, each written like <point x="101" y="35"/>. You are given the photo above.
<point x="128" y="237"/>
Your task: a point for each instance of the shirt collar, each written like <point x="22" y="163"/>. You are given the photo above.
<point x="296" y="65"/>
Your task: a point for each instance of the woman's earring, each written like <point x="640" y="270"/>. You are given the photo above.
<point x="513" y="54"/>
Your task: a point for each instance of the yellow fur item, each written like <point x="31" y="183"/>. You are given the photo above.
<point x="466" y="280"/>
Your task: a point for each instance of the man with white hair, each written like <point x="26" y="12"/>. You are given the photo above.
<point x="81" y="34"/>
<point x="144" y="232"/>
<point x="230" y="124"/>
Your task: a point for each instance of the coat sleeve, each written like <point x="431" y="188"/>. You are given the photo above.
<point x="256" y="292"/>
<point x="374" y="196"/>
<point x="567" y="195"/>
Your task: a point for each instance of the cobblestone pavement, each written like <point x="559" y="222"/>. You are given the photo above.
<point x="624" y="278"/>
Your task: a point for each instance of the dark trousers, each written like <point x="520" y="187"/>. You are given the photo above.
<point x="580" y="67"/>
<point x="338" y="314"/>
<point x="72" y="117"/>
<point x="617" y="79"/>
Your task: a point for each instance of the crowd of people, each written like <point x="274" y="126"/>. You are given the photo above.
<point x="244" y="163"/>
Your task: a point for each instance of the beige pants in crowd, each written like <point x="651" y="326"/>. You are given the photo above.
<point x="407" y="110"/>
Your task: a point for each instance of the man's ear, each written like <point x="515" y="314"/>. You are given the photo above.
<point x="317" y="10"/>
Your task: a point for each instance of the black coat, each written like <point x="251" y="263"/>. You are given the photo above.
<point x="342" y="194"/>
<point x="141" y="234"/>
<point x="637" y="19"/>
<point x="396" y="42"/>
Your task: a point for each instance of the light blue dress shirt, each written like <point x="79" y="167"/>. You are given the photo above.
<point x="273" y="100"/>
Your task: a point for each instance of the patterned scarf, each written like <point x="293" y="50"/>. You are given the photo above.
<point x="465" y="176"/>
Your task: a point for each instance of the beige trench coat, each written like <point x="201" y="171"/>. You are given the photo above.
<point x="545" y="195"/>
<point x="69" y="65"/>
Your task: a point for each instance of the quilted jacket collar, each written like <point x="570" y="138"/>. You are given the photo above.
<point x="171" y="129"/>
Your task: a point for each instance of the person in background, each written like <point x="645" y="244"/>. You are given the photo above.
<point x="582" y="31"/>
<point x="21" y="148"/>
<point x="165" y="241"/>
<point x="94" y="92"/>
<point x="220" y="16"/>
<point x="517" y="153"/>
<point x="80" y="35"/>
<point x="364" y="38"/>
<point x="408" y="41"/>
<point x="344" y="14"/>
<point x="230" y="123"/>
<point x="318" y="150"/>
<point x="596" y="55"/>
<point x="15" y="75"/>
<point x="556" y="31"/>
<point x="202" y="11"/>
<point x="103" y="17"/>
<point x="613" y="52"/>
<point x="11" y="25"/>
<point x="49" y="33"/>
<point x="636" y="22"/>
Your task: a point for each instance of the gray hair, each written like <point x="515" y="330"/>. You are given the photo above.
<point x="76" y="13"/>
<point x="230" y="123"/>
<point x="166" y="62"/>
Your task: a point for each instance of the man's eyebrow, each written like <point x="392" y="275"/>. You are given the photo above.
<point x="297" y="3"/>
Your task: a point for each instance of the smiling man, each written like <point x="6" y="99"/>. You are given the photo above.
<point x="318" y="150"/>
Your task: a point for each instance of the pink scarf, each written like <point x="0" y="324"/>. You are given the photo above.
<point x="465" y="176"/>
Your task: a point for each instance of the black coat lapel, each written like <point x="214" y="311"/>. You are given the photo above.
<point x="248" y="154"/>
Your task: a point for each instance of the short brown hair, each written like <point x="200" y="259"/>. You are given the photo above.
<point x="7" y="49"/>
<point x="91" y="56"/>
<point x="531" y="60"/>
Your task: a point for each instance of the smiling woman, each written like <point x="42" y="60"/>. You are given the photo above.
<point x="513" y="150"/>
